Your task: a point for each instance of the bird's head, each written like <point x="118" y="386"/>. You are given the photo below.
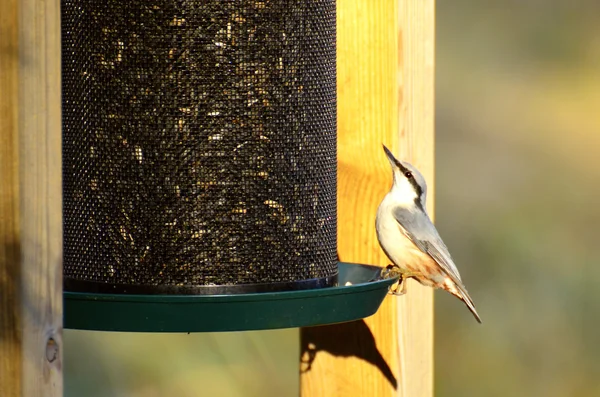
<point x="409" y="186"/>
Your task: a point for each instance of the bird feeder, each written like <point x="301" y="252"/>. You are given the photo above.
<point x="199" y="167"/>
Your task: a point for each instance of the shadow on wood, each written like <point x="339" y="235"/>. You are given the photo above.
<point x="10" y="319"/>
<point x="352" y="339"/>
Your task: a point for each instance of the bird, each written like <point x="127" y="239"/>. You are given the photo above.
<point x="409" y="238"/>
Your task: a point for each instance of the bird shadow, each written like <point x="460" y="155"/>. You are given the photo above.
<point x="351" y="339"/>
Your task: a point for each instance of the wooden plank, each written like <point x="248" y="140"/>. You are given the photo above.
<point x="10" y="324"/>
<point x="416" y="86"/>
<point x="30" y="203"/>
<point x="385" y="95"/>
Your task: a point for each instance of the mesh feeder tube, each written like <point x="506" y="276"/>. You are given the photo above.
<point x="199" y="146"/>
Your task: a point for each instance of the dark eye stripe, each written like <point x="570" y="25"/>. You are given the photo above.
<point x="417" y="187"/>
<point x="419" y="204"/>
<point x="402" y="168"/>
<point x="413" y="183"/>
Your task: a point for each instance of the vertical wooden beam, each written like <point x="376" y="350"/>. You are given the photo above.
<point x="385" y="95"/>
<point x="10" y="349"/>
<point x="30" y="199"/>
<point x="416" y="87"/>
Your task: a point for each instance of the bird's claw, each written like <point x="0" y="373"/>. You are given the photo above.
<point x="392" y="271"/>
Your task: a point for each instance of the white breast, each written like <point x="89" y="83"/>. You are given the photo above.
<point x="399" y="249"/>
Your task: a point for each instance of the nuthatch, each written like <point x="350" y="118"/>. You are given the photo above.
<point x="409" y="238"/>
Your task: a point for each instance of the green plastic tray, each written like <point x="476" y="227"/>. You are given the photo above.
<point x="239" y="312"/>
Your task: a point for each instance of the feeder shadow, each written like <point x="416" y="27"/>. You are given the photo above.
<point x="352" y="339"/>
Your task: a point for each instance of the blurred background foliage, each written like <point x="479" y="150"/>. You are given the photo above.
<point x="517" y="193"/>
<point x="229" y="364"/>
<point x="517" y="173"/>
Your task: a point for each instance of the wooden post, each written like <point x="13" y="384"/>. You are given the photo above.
<point x="385" y="95"/>
<point x="30" y="199"/>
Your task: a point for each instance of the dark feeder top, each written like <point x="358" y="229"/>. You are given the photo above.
<point x="199" y="145"/>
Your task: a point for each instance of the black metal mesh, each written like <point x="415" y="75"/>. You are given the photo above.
<point x="199" y="141"/>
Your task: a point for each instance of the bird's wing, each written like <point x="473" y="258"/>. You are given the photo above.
<point x="421" y="231"/>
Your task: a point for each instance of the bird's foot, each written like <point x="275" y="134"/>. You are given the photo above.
<point x="406" y="275"/>
<point x="399" y="288"/>
<point x="391" y="271"/>
<point x="394" y="271"/>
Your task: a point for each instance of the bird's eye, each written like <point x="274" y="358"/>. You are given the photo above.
<point x="408" y="174"/>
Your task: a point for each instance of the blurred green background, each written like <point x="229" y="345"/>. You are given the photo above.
<point x="517" y="173"/>
<point x="230" y="364"/>
<point x="517" y="193"/>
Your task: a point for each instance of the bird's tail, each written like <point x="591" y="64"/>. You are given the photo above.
<point x="458" y="290"/>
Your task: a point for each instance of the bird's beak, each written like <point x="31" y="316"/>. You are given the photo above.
<point x="393" y="161"/>
<point x="390" y="156"/>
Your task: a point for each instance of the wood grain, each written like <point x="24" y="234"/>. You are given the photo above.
<point x="416" y="86"/>
<point x="30" y="204"/>
<point x="10" y="318"/>
<point x="385" y="95"/>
